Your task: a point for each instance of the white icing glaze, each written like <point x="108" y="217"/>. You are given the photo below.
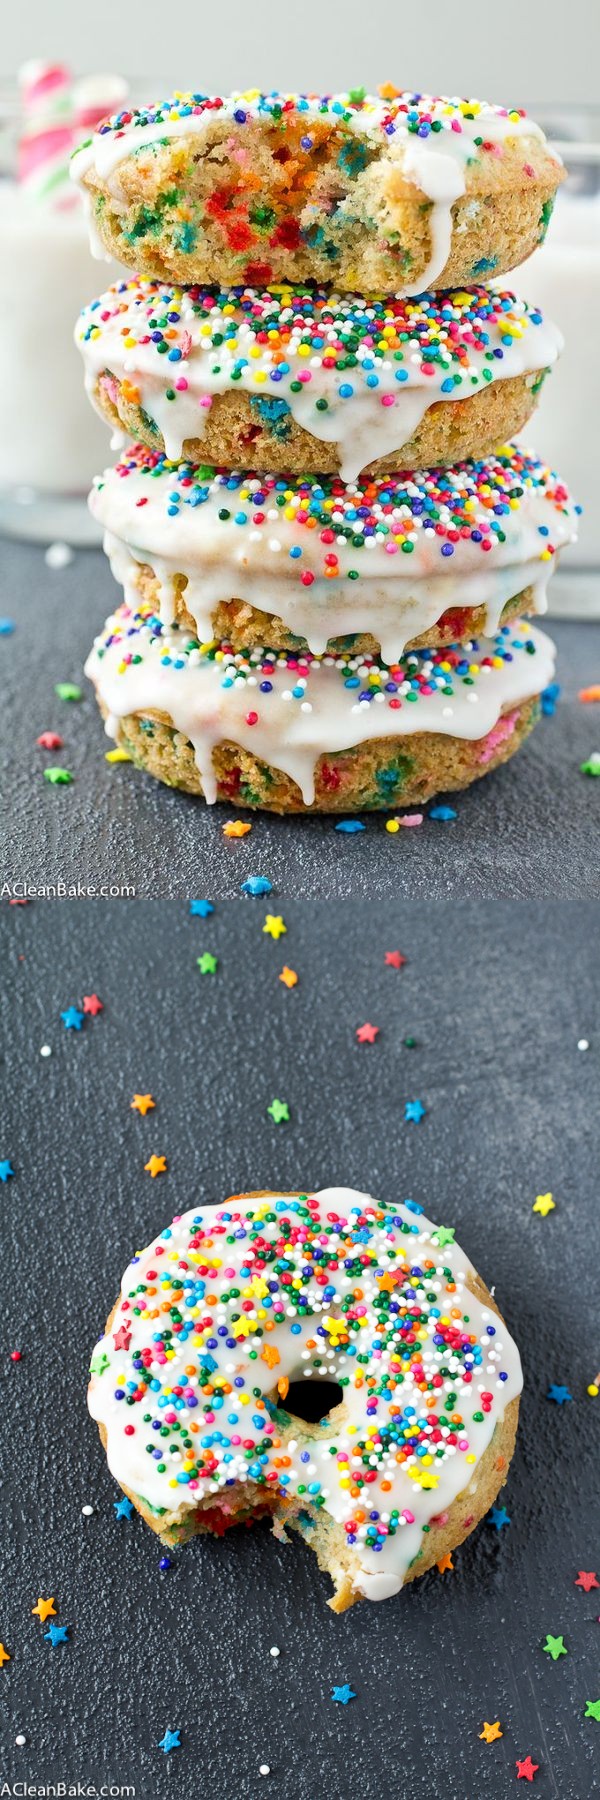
<point x="312" y="710"/>
<point x="436" y="164"/>
<point x="396" y="598"/>
<point x="389" y="399"/>
<point x="369" y="1244"/>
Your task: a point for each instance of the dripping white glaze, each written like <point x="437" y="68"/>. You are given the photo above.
<point x="302" y="717"/>
<point x="420" y="1491"/>
<point x="382" y="413"/>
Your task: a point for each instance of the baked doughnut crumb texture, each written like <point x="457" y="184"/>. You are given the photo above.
<point x="291" y="715"/>
<point x="396" y="193"/>
<point x="231" y="1304"/>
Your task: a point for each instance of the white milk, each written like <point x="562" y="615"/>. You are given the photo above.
<point x="50" y="439"/>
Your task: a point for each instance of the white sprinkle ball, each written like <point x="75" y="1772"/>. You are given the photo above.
<point x="20" y="1739"/>
<point x="58" y="556"/>
<point x="264" y="1768"/>
<point x="46" y="1050"/>
<point x="87" y="1511"/>
<point x="274" y="1651"/>
<point x="582" y="1044"/>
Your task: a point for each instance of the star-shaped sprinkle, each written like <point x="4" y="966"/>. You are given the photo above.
<point x="443" y="813"/>
<point x="236" y="828"/>
<point x="100" y="1361"/>
<point x="118" y="755"/>
<point x="171" y="1741"/>
<point x="278" y="1110"/>
<point x="543" y="1204"/>
<point x="343" y="1694"/>
<point x="587" y="1580"/>
<point x="288" y="977"/>
<point x="156" y="1165"/>
<point x="414" y="1109"/>
<point x="549" y="699"/>
<point x="366" y="1034"/>
<point x="445" y="1563"/>
<point x="207" y="964"/>
<point x="92" y="1004"/>
<point x="72" y="1019"/>
<point x="498" y="1516"/>
<point x="491" y="1732"/>
<point x="274" y="925"/>
<point x="592" y="1710"/>
<point x="588" y="694"/>
<point x="7" y="626"/>
<point x="443" y="1234"/>
<point x="66" y="690"/>
<point x="558" y="1393"/>
<point x="555" y="1647"/>
<point x="44" y="1609"/>
<point x="49" y="740"/>
<point x="142" y="1103"/>
<point x="257" y="884"/>
<point x="6" y="1170"/>
<point x="123" y="1508"/>
<point x="200" y="909"/>
<point x="394" y="960"/>
<point x="349" y="826"/>
<point x="4" y="1655"/>
<point x="526" y="1770"/>
<point x="122" y="1338"/>
<point x="592" y="766"/>
<point x="56" y="1634"/>
<point x="58" y="777"/>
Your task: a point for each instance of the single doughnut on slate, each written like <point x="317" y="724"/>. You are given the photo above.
<point x="290" y="380"/>
<point x="195" y="1423"/>
<point x="293" y="733"/>
<point x="397" y="194"/>
<point x="327" y="560"/>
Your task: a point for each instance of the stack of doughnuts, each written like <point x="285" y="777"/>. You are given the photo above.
<point x="328" y="543"/>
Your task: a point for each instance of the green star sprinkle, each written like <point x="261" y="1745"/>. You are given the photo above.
<point x="592" y="766"/>
<point x="58" y="776"/>
<point x="278" y="1110"/>
<point x="555" y="1647"/>
<point x="592" y="1710"/>
<point x="67" y="691"/>
<point x="207" y="963"/>
<point x="99" y="1362"/>
<point x="443" y="1235"/>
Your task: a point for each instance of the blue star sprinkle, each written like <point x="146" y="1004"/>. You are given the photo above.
<point x="442" y="812"/>
<point x="6" y="1170"/>
<point x="498" y="1516"/>
<point x="559" y="1394"/>
<point x="72" y="1019"/>
<point x="123" y="1508"/>
<point x="6" y="627"/>
<point x="200" y="909"/>
<point x="171" y="1741"/>
<point x="349" y="826"/>
<point x="343" y="1693"/>
<point x="257" y="884"/>
<point x="549" y="699"/>
<point x="414" y="1109"/>
<point x="57" y="1634"/>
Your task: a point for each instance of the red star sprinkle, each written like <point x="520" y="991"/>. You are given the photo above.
<point x="394" y="960"/>
<point x="122" y="1338"/>
<point x="586" y="1580"/>
<point x="91" y="1004"/>
<point x="49" y="740"/>
<point x="366" y="1034"/>
<point x="526" y="1770"/>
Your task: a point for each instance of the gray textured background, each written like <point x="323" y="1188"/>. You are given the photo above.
<point x="497" y="996"/>
<point x="532" y="828"/>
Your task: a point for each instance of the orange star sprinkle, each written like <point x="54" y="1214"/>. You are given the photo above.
<point x="236" y="828"/>
<point x="491" y="1732"/>
<point x="288" y="976"/>
<point x="445" y="1563"/>
<point x="157" y="1165"/>
<point x="44" y="1609"/>
<point x="387" y="91"/>
<point x="4" y="1655"/>
<point x="587" y="694"/>
<point x="142" y="1103"/>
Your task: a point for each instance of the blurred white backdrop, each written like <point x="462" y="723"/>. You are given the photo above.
<point x="518" y="51"/>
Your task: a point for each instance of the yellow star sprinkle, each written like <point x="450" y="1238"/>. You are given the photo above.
<point x="157" y="1165"/>
<point x="44" y="1608"/>
<point x="543" y="1204"/>
<point x="491" y="1732"/>
<point x="4" y="1655"/>
<point x="274" y="925"/>
<point x="117" y="756"/>
<point x="236" y="828"/>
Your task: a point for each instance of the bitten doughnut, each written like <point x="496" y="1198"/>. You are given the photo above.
<point x="261" y="559"/>
<point x="394" y="194"/>
<point x="290" y="380"/>
<point x="295" y="733"/>
<point x="231" y="1304"/>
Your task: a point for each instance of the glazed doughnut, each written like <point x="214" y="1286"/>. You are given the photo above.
<point x="314" y="382"/>
<point x="330" y="1286"/>
<point x="395" y="194"/>
<point x="292" y="733"/>
<point x="319" y="562"/>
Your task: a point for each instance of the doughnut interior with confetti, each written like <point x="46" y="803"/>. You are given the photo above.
<point x="394" y="193"/>
<point x="232" y="1308"/>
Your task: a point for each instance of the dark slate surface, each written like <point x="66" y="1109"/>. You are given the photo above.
<point x="497" y="997"/>
<point x="531" y="828"/>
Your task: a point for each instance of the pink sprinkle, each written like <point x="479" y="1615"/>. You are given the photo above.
<point x="387" y="399"/>
<point x="181" y="385"/>
<point x="408" y="1516"/>
<point x="411" y="819"/>
<point x="206" y="400"/>
<point x="527" y="169"/>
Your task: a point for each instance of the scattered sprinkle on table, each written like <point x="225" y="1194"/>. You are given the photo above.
<point x="498" y="1517"/>
<point x="44" y="1609"/>
<point x="157" y="1165"/>
<point x="554" y="1647"/>
<point x="594" y="1387"/>
<point x="592" y="1710"/>
<point x="394" y="960"/>
<point x="4" y="1655"/>
<point x="559" y="1394"/>
<point x="288" y="977"/>
<point x="119" y="755"/>
<point x="72" y="1018"/>
<point x="366" y="1034"/>
<point x="92" y="1004"/>
<point x="549" y="698"/>
<point x="414" y="1109"/>
<point x="410" y="819"/>
<point x="67" y="690"/>
<point x="123" y="1508"/>
<point x="257" y="884"/>
<point x="526" y="1770"/>
<point x="49" y="740"/>
<point x="543" y="1204"/>
<point x="491" y="1732"/>
<point x="171" y="1741"/>
<point x="442" y="813"/>
<point x="56" y="1634"/>
<point x="349" y="826"/>
<point x="207" y="964"/>
<point x="6" y="1170"/>
<point x="589" y="694"/>
<point x="278" y="1111"/>
<point x="587" y="1579"/>
<point x="343" y="1694"/>
<point x="142" y="1103"/>
<point x="58" y="777"/>
<point x="7" y="626"/>
<point x="274" y="925"/>
<point x="236" y="828"/>
<point x="592" y="766"/>
<point x="200" y="909"/>
<point x="445" y="1564"/>
<point x="58" y="556"/>
<point x="582" y="1044"/>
